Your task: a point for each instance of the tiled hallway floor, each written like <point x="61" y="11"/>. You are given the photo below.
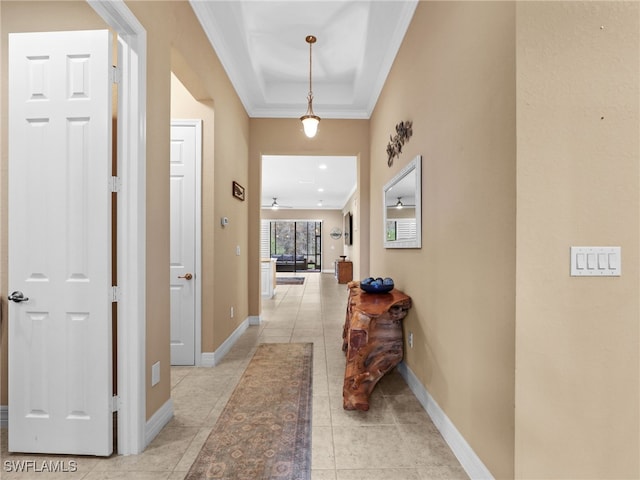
<point x="394" y="440"/>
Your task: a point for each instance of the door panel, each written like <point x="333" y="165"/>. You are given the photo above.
<point x="60" y="372"/>
<point x="184" y="146"/>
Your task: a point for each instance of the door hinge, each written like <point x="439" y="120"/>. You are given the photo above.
<point x="116" y="74"/>
<point x="115" y="184"/>
<point x="115" y="294"/>
<point x="115" y="403"/>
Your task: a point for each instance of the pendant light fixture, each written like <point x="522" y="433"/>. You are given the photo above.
<point x="310" y="120"/>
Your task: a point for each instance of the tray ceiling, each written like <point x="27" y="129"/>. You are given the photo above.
<point x="262" y="47"/>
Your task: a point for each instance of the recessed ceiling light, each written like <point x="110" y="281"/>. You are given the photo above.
<point x="321" y="189"/>
<point x="322" y="166"/>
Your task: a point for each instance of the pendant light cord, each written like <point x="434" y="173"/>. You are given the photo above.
<point x="310" y="40"/>
<point x="310" y="89"/>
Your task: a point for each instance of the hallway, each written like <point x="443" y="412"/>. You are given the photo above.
<point x="395" y="439"/>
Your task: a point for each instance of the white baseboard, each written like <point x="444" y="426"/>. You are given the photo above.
<point x="459" y="446"/>
<point x="211" y="359"/>
<point x="151" y="429"/>
<point x="207" y="359"/>
<point x="255" y="320"/>
<point x="4" y="416"/>
<point x="157" y="422"/>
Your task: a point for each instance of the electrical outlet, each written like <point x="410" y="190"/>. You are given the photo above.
<point x="410" y="339"/>
<point x="231" y="312"/>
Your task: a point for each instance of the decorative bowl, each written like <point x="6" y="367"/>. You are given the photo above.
<point x="376" y="285"/>
<point x="376" y="288"/>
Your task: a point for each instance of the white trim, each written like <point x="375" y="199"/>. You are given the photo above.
<point x="198" y="272"/>
<point x="255" y="320"/>
<point x="211" y="359"/>
<point x="461" y="449"/>
<point x="208" y="359"/>
<point x="197" y="124"/>
<point x="4" y="416"/>
<point x="407" y="9"/>
<point x="223" y="349"/>
<point x="131" y="240"/>
<point x="157" y="422"/>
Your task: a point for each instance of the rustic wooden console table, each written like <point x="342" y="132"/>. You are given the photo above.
<point x="372" y="341"/>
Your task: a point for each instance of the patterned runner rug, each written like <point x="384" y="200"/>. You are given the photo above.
<point x="264" y="431"/>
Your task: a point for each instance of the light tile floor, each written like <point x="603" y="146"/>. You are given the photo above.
<point x="394" y="440"/>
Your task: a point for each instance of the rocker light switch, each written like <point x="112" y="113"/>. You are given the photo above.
<point x="596" y="261"/>
<point x="603" y="261"/>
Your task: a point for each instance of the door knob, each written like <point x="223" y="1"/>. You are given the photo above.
<point x="186" y="276"/>
<point x="17" y="297"/>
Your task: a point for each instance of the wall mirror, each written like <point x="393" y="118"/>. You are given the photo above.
<point x="402" y="216"/>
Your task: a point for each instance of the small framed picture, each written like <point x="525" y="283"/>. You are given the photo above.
<point x="238" y="191"/>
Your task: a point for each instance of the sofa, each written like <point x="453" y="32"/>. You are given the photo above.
<point x="286" y="263"/>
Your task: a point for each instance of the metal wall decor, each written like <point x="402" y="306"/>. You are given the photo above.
<point x="404" y="130"/>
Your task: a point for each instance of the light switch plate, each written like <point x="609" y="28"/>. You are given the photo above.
<point x="596" y="261"/>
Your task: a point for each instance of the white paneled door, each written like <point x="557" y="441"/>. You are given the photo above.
<point x="185" y="156"/>
<point x="60" y="338"/>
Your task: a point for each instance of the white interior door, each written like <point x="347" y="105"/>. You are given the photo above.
<point x="185" y="157"/>
<point x="60" y="370"/>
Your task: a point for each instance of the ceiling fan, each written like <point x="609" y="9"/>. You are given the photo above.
<point x="399" y="204"/>
<point x="275" y="205"/>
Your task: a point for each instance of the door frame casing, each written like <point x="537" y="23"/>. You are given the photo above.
<point x="131" y="221"/>
<point x="197" y="124"/>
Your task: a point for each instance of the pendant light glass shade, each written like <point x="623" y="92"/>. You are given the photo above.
<point x="310" y="125"/>
<point x="310" y="120"/>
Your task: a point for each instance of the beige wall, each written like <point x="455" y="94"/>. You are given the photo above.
<point x="577" y="339"/>
<point x="331" y="249"/>
<point x="185" y="106"/>
<point x="538" y="370"/>
<point x="177" y="43"/>
<point x="285" y="137"/>
<point x="174" y="40"/>
<point x="454" y="77"/>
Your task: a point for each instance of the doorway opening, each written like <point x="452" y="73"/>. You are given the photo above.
<point x="296" y="245"/>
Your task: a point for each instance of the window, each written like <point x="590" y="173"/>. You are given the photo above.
<point x="296" y="245"/>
